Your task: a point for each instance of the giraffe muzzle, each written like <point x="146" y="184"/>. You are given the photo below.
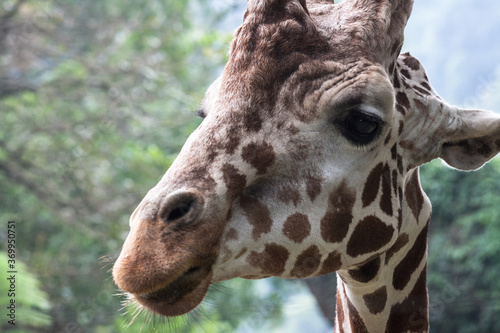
<point x="180" y="296"/>
<point x="166" y="261"/>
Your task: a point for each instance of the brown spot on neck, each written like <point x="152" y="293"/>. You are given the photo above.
<point x="411" y="315"/>
<point x="410" y="263"/>
<point x="370" y="235"/>
<point x="402" y="240"/>
<point x="340" y="313"/>
<point x="376" y="301"/>
<point x="357" y="323"/>
<point x="367" y="272"/>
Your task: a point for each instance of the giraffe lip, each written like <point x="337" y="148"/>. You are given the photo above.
<point x="180" y="296"/>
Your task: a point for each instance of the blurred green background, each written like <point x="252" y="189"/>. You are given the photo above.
<point x="97" y="98"/>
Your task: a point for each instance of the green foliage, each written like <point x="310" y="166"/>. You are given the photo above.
<point x="31" y="303"/>
<point x="96" y="98"/>
<point x="464" y="270"/>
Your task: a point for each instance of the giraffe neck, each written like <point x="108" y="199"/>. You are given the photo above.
<point x="389" y="293"/>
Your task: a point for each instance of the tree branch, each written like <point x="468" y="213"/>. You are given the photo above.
<point x="10" y="87"/>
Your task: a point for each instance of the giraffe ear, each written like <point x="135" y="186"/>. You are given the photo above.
<point x="474" y="139"/>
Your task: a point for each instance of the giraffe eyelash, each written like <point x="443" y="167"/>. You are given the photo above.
<point x="361" y="129"/>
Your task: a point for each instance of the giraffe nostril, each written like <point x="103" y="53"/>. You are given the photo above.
<point x="182" y="206"/>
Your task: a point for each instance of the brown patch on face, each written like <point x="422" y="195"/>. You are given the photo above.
<point x="242" y="252"/>
<point x="426" y="85"/>
<point x="411" y="62"/>
<point x="421" y="106"/>
<point x="414" y="196"/>
<point x="381" y="173"/>
<point x="421" y="91"/>
<point x="394" y="152"/>
<point x="232" y="234"/>
<point x="258" y="215"/>
<point x="271" y="261"/>
<point x="233" y="179"/>
<point x="405" y="73"/>
<point x="411" y="314"/>
<point x="401" y="109"/>
<point x="332" y="263"/>
<point x="202" y="176"/>
<point x="260" y="156"/>
<point x="395" y="80"/>
<point x="399" y="161"/>
<point x="497" y="143"/>
<point x="232" y="142"/>
<point x="410" y="263"/>
<point x="372" y="185"/>
<point x="338" y="217"/>
<point x="313" y="187"/>
<point x="400" y="212"/>
<point x="293" y="130"/>
<point x="375" y="302"/>
<point x="407" y="144"/>
<point x="395" y="182"/>
<point x="387" y="138"/>
<point x="367" y="272"/>
<point x="252" y="121"/>
<point x="370" y="235"/>
<point x="300" y="151"/>
<point x="396" y="47"/>
<point x="402" y="240"/>
<point x="307" y="263"/>
<point x="402" y="100"/>
<point x="297" y="227"/>
<point x="357" y="324"/>
<point x="288" y="194"/>
<point x="386" y="199"/>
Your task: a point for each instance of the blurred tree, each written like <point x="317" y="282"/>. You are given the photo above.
<point x="95" y="100"/>
<point x="464" y="270"/>
<point x="30" y="301"/>
<point x="94" y="104"/>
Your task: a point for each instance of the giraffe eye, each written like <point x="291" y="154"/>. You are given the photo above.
<point x="360" y="128"/>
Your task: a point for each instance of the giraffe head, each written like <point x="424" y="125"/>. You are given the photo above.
<point x="304" y="162"/>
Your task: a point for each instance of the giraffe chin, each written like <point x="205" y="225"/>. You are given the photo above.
<point x="179" y="297"/>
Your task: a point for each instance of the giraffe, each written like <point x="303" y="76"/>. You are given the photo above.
<point x="306" y="163"/>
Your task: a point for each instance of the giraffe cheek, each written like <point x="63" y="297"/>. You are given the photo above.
<point x="271" y="260"/>
<point x="338" y="217"/>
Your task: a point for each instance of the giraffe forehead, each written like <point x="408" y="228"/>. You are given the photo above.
<point x="312" y="87"/>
